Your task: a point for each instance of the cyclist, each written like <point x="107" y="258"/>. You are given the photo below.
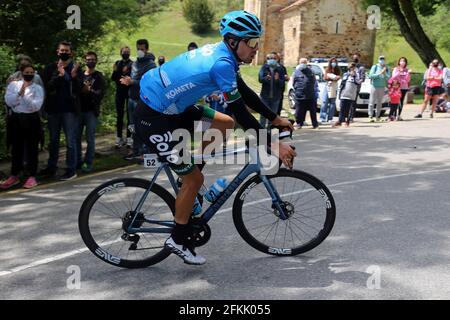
<point x="168" y="95"/>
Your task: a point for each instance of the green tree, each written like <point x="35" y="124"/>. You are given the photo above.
<point x="200" y="14"/>
<point x="406" y="13"/>
<point x="36" y="27"/>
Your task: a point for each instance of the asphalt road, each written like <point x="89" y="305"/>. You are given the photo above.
<point x="391" y="240"/>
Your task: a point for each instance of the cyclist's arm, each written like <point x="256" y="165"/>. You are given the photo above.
<point x="253" y="101"/>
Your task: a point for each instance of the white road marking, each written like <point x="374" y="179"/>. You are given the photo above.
<point x="82" y="250"/>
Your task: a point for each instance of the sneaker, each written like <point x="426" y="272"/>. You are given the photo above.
<point x="337" y="124"/>
<point x="68" y="176"/>
<point x="30" y="183"/>
<point x="419" y="116"/>
<point x="119" y="143"/>
<point x="132" y="156"/>
<point x="297" y="127"/>
<point x="431" y="116"/>
<point x="316" y="128"/>
<point x="399" y="118"/>
<point x="47" y="172"/>
<point x="10" y="182"/>
<point x="129" y="143"/>
<point x="187" y="254"/>
<point x="371" y="119"/>
<point x="86" y="168"/>
<point x="378" y="119"/>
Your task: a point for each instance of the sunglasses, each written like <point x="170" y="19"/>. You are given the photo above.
<point x="252" y="43"/>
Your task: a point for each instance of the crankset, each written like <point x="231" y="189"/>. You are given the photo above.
<point x="201" y="235"/>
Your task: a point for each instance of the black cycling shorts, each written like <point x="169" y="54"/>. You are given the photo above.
<point x="155" y="130"/>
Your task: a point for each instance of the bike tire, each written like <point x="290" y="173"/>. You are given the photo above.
<point x="245" y="230"/>
<point x="86" y="211"/>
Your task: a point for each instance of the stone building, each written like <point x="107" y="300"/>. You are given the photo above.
<point x="313" y="28"/>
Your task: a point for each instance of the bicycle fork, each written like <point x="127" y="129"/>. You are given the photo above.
<point x="276" y="199"/>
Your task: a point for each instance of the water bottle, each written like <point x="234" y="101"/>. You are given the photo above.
<point x="216" y="189"/>
<point x="197" y="209"/>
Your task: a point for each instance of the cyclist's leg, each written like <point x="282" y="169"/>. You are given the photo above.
<point x="156" y="130"/>
<point x="221" y="122"/>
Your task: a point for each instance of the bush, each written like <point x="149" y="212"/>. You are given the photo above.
<point x="199" y="14"/>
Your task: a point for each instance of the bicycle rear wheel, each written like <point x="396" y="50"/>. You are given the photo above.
<point x="310" y="211"/>
<point x="107" y="210"/>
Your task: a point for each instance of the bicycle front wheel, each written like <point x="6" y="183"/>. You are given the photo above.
<point x="107" y="213"/>
<point x="307" y="202"/>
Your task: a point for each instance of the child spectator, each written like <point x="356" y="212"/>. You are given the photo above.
<point x="348" y="94"/>
<point x="395" y="95"/>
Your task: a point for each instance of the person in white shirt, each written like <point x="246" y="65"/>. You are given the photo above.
<point x="25" y="99"/>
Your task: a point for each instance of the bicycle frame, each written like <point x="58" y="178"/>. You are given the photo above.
<point x="248" y="170"/>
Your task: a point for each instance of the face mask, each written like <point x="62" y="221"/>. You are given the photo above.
<point x="272" y="62"/>
<point x="140" y="54"/>
<point x="333" y="64"/>
<point x="64" y="56"/>
<point x="125" y="56"/>
<point x="356" y="60"/>
<point x="91" y="65"/>
<point x="382" y="62"/>
<point x="402" y="64"/>
<point x="28" y="77"/>
<point x="302" y="66"/>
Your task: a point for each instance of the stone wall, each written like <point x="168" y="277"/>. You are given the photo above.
<point x="317" y="28"/>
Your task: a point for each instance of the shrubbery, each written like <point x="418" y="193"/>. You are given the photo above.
<point x="200" y="14"/>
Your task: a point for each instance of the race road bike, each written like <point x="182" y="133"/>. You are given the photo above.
<point x="126" y="221"/>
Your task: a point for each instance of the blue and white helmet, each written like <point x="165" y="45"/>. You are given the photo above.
<point x="241" y="24"/>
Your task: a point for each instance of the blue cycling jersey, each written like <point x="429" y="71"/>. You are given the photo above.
<point x="181" y="82"/>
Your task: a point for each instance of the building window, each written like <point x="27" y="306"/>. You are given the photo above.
<point x="294" y="33"/>
<point x="337" y="27"/>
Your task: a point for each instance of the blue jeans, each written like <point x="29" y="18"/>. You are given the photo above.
<point x="273" y="104"/>
<point x="88" y="120"/>
<point x="69" y="122"/>
<point x="328" y="108"/>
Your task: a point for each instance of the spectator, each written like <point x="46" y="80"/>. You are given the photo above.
<point x="16" y="76"/>
<point x="121" y="69"/>
<point x="362" y="77"/>
<point x="25" y="98"/>
<point x="286" y="79"/>
<point x="434" y="77"/>
<point x="332" y="76"/>
<point x="144" y="63"/>
<point x="192" y="46"/>
<point x="161" y="60"/>
<point x="91" y="96"/>
<point x="24" y="60"/>
<point x="403" y="75"/>
<point x="305" y="86"/>
<point x="63" y="82"/>
<point x="446" y="80"/>
<point x="348" y="94"/>
<point x="272" y="78"/>
<point x="379" y="74"/>
<point x="395" y="95"/>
